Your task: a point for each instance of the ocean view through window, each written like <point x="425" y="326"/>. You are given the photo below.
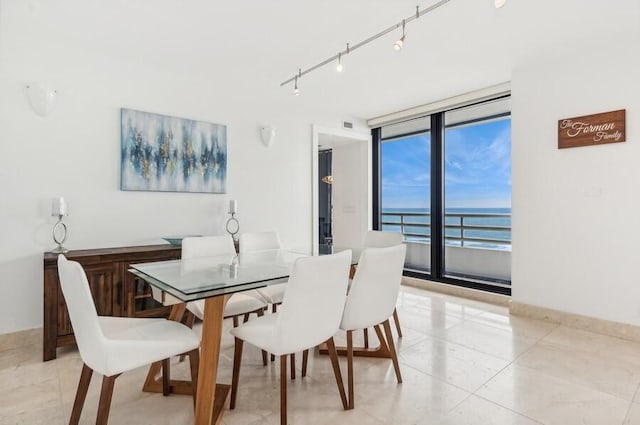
<point x="471" y="150"/>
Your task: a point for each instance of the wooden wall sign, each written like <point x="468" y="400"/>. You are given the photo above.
<point x="597" y="129"/>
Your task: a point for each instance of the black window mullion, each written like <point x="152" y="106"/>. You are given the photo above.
<point x="376" y="183"/>
<point x="437" y="199"/>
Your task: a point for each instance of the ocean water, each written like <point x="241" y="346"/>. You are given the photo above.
<point x="416" y="225"/>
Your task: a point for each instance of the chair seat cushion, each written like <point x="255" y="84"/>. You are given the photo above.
<point x="243" y="302"/>
<point x="135" y="342"/>
<point x="260" y="332"/>
<point x="239" y="303"/>
<point x="273" y="294"/>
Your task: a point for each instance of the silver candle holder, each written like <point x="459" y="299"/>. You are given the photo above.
<point x="59" y="233"/>
<point x="233" y="226"/>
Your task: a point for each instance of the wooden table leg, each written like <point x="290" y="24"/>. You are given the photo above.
<point x="211" y="398"/>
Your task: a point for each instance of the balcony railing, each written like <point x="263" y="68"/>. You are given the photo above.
<point x="489" y="230"/>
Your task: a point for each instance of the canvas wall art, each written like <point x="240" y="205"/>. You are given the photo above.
<point x="169" y="154"/>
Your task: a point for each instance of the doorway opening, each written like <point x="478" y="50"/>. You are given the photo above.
<point x="341" y="193"/>
<point x="325" y="205"/>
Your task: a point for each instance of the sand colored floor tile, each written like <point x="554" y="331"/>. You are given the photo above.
<point x="551" y="400"/>
<point x="478" y="411"/>
<point x="463" y="362"/>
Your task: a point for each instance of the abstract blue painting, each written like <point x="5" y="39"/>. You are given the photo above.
<point x="169" y="154"/>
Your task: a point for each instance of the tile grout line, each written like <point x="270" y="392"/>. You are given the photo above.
<point x="626" y="416"/>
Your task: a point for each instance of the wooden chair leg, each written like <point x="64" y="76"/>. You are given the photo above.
<point x="283" y="389"/>
<point x="194" y="364"/>
<point x="264" y="353"/>
<point x="392" y="349"/>
<point x="333" y="354"/>
<point x="397" y="322"/>
<point x="237" y="358"/>
<point x="293" y="365"/>
<point x="350" y="368"/>
<point x="380" y="335"/>
<point x="245" y="319"/>
<point x="235" y="321"/>
<point x="305" y="360"/>
<point x="188" y="319"/>
<point x="104" y="405"/>
<point x="81" y="394"/>
<point x="365" y="332"/>
<point x="166" y="374"/>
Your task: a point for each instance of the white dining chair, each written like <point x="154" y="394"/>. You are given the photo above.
<point x="372" y="300"/>
<point x="310" y="315"/>
<point x="260" y="241"/>
<point x="113" y="345"/>
<point x="379" y="239"/>
<point x="240" y="304"/>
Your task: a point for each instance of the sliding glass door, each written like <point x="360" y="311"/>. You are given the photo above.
<point x="444" y="181"/>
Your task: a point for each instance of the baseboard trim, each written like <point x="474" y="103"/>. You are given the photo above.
<point x="591" y="324"/>
<point x="577" y="321"/>
<point x="457" y="291"/>
<point x="20" y="339"/>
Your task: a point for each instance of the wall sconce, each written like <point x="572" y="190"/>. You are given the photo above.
<point x="267" y="134"/>
<point x="41" y="98"/>
<point x="59" y="209"/>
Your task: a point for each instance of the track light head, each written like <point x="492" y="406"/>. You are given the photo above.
<point x="499" y="3"/>
<point x="399" y="44"/>
<point x="296" y="89"/>
<point x="339" y="67"/>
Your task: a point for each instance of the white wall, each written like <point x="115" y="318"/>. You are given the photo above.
<point x="350" y="165"/>
<point x="74" y="152"/>
<point x="576" y="212"/>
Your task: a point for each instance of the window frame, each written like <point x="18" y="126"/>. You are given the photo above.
<point x="437" y="251"/>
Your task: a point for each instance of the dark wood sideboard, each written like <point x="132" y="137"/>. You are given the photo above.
<point x="116" y="292"/>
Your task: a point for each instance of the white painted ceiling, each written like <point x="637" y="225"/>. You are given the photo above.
<point x="462" y="46"/>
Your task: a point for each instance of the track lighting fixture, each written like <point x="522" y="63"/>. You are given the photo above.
<point x="399" y="44"/>
<point x="499" y="3"/>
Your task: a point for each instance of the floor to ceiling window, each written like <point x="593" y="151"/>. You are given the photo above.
<point x="405" y="187"/>
<point x="444" y="181"/>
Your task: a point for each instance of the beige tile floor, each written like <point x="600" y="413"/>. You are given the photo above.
<point x="463" y="363"/>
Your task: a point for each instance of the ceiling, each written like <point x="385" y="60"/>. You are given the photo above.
<point x="462" y="46"/>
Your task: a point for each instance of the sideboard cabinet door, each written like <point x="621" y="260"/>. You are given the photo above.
<point x="115" y="291"/>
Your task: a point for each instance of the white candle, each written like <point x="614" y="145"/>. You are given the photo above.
<point x="59" y="207"/>
<point x="233" y="206"/>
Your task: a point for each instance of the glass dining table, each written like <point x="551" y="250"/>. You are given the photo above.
<point x="214" y="279"/>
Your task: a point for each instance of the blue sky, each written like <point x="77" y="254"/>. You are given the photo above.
<point x="477" y="168"/>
